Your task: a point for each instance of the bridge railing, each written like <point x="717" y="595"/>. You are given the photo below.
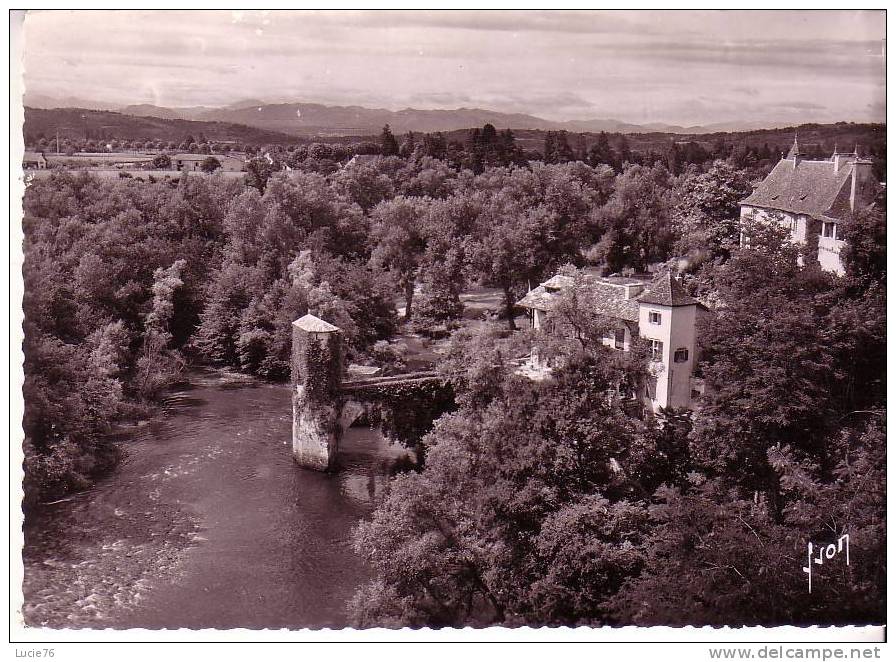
<point x="391" y="379"/>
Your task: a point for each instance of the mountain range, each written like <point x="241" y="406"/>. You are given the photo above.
<point x="313" y="119"/>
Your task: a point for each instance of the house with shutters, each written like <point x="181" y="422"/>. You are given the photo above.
<point x="656" y="309"/>
<point x="813" y="199"/>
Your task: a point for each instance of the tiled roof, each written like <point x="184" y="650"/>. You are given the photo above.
<point x="805" y="187"/>
<point x="609" y="295"/>
<point x="608" y="299"/>
<point x="314" y="324"/>
<point x="666" y="291"/>
<point x="32" y="156"/>
<point x="625" y="280"/>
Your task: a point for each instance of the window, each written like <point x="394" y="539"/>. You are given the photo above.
<point x="619" y="339"/>
<point x="829" y="229"/>
<point x="681" y="355"/>
<point x="656" y="350"/>
<point x="655" y="317"/>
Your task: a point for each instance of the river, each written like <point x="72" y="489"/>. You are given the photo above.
<point x="208" y="522"/>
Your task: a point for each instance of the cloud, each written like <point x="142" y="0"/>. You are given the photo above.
<point x="678" y="67"/>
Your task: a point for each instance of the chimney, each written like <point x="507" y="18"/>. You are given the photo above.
<point x="633" y="290"/>
<point x="840" y="159"/>
<point x="861" y="178"/>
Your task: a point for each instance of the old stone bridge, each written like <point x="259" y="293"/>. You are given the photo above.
<point x="324" y="405"/>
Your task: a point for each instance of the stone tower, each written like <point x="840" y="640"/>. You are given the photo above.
<point x="316" y="375"/>
<point x="666" y="319"/>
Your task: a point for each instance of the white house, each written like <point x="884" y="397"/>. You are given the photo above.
<point x="658" y="310"/>
<point x="34" y="161"/>
<point x="193" y="162"/>
<point x="813" y="199"/>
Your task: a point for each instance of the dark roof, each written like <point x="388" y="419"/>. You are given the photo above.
<point x="804" y="187"/>
<point x="666" y="291"/>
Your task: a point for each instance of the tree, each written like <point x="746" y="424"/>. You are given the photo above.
<point x="259" y="171"/>
<point x="706" y="213"/>
<point x="556" y="147"/>
<point x="409" y="146"/>
<point x="506" y="524"/>
<point x="601" y="152"/>
<point x="210" y="164"/>
<point x="161" y="161"/>
<point x="388" y="144"/>
<point x="635" y="220"/>
<point x="365" y="184"/>
<point x="434" y="145"/>
<point x="716" y="559"/>
<point x="156" y="365"/>
<point x="503" y="255"/>
<point x="398" y="243"/>
<point x="864" y="254"/>
<point x="785" y="378"/>
<point x="575" y="315"/>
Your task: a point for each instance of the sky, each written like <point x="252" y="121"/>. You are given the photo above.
<point x="677" y="67"/>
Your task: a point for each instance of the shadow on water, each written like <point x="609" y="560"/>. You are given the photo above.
<point x="208" y="522"/>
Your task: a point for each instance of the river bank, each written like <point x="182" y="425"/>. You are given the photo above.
<point x="207" y="521"/>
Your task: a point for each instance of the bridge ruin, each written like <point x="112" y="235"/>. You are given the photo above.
<point x="324" y="404"/>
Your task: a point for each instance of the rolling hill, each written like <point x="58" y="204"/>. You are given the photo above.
<point x="97" y="124"/>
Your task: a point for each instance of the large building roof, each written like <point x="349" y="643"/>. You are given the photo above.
<point x="814" y="188"/>
<point x="610" y="294"/>
<point x="608" y="299"/>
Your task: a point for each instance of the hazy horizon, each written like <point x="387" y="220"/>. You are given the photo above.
<point x="680" y="67"/>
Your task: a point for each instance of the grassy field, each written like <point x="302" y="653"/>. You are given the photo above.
<point x="100" y="158"/>
<point x="114" y="173"/>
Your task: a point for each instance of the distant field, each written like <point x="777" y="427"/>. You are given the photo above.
<point x="145" y="174"/>
<point x="99" y="156"/>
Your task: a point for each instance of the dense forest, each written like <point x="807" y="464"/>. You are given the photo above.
<point x="539" y="502"/>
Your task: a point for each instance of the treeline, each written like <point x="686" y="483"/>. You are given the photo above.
<point x="478" y="148"/>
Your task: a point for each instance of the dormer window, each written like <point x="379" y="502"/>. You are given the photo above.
<point x="655" y="317"/>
